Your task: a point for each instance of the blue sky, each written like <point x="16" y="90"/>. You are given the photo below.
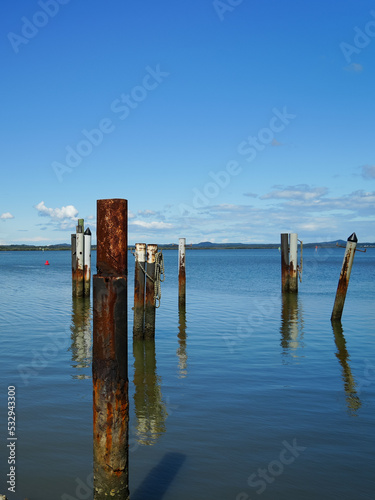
<point x="218" y="120"/>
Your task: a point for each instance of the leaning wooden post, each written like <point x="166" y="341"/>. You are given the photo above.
<point x="150" y="312"/>
<point x="87" y="262"/>
<point x="79" y="264"/>
<point x="181" y="273"/>
<point x="139" y="290"/>
<point x="344" y="277"/>
<point x="284" y="262"/>
<point x="293" y="263"/>
<point x="74" y="265"/>
<point x="110" y="359"/>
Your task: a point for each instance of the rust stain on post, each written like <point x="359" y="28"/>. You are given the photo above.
<point x="110" y="366"/>
<point x="181" y="273"/>
<point x="342" y="286"/>
<point x="284" y="262"/>
<point x="150" y="310"/>
<point x="139" y="290"/>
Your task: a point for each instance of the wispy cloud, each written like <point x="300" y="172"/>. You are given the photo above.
<point x="6" y="215"/>
<point x="368" y="171"/>
<point x="152" y="225"/>
<point x="299" y="192"/>
<point x="354" y="68"/>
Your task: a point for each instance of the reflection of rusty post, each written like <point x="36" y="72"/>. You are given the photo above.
<point x="74" y="265"/>
<point x="293" y="263"/>
<point x="284" y="262"/>
<point x="344" y="278"/>
<point x="150" y="293"/>
<point x="79" y="265"/>
<point x="139" y="290"/>
<point x="87" y="262"/>
<point x="110" y="367"/>
<point x="181" y="273"/>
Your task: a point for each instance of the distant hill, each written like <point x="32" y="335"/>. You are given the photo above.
<point x="204" y="245"/>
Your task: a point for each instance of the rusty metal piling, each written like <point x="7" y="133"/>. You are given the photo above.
<point x="139" y="290"/>
<point x="150" y="304"/>
<point x="344" y="278"/>
<point x="289" y="262"/>
<point x="181" y="273"/>
<point x="110" y="361"/>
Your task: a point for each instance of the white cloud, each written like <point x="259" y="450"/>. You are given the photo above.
<point x="68" y="212"/>
<point x="6" y="215"/>
<point x="299" y="192"/>
<point x="152" y="225"/>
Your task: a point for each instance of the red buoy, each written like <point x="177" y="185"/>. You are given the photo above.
<point x="47" y="263"/>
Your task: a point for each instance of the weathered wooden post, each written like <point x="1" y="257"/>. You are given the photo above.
<point x="79" y="264"/>
<point x="110" y="361"/>
<point x="139" y="290"/>
<point x="284" y="262"/>
<point x="74" y="264"/>
<point x="87" y="262"/>
<point x="181" y="273"/>
<point x="293" y="263"/>
<point x="344" y="278"/>
<point x="150" y="311"/>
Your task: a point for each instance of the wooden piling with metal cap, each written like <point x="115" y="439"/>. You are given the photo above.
<point x="284" y="247"/>
<point x="80" y="263"/>
<point x="110" y="360"/>
<point x="74" y="264"/>
<point x="344" y="277"/>
<point x="150" y="305"/>
<point x="181" y="273"/>
<point x="87" y="262"/>
<point x="293" y="263"/>
<point x="139" y="290"/>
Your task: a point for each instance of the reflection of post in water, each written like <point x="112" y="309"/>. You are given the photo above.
<point x="81" y="335"/>
<point x="291" y="324"/>
<point x="181" y="351"/>
<point x="352" y="399"/>
<point x="150" y="408"/>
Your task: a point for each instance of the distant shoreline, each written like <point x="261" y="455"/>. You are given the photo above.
<point x="199" y="246"/>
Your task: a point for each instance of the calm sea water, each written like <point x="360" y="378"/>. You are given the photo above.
<point x="247" y="396"/>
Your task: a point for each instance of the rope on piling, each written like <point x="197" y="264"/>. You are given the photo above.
<point x="159" y="276"/>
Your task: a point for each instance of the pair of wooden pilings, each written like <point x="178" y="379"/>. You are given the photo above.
<point x="144" y="291"/>
<point x="81" y="261"/>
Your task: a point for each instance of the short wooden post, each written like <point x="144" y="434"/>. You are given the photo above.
<point x="80" y="264"/>
<point x="293" y="263"/>
<point x="87" y="262"/>
<point x="74" y="265"/>
<point x="181" y="273"/>
<point x="150" y="312"/>
<point x="139" y="290"/>
<point x="284" y="262"/>
<point x="110" y="360"/>
<point x="344" y="278"/>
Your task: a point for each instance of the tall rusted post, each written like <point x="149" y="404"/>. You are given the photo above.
<point x="74" y="264"/>
<point x="149" y="331"/>
<point x="293" y="263"/>
<point x="80" y="264"/>
<point x="110" y="360"/>
<point x="284" y="262"/>
<point x="87" y="262"/>
<point x="344" y="277"/>
<point x="139" y="290"/>
<point x="181" y="273"/>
